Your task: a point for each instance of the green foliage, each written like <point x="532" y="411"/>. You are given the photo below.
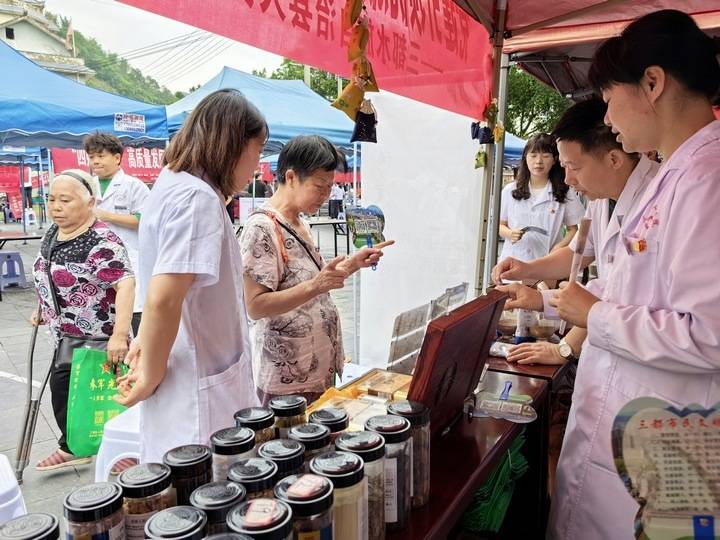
<point x="115" y="74"/>
<point x="322" y="82"/>
<point x="532" y="106"/>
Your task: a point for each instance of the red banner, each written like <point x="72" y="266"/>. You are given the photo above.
<point x="428" y="50"/>
<point x="143" y="163"/>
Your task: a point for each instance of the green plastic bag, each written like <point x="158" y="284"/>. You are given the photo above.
<point x="90" y="400"/>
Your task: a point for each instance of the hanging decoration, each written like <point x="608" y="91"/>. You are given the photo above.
<point x="487" y="131"/>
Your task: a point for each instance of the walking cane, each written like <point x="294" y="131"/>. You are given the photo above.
<point x="32" y="407"/>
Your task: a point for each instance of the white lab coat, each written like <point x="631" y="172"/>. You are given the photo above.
<point x="544" y="212"/>
<point x="125" y="195"/>
<point x="656" y="333"/>
<point x="185" y="229"/>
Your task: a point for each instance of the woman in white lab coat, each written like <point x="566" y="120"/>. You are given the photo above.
<point x="191" y="361"/>
<point x="534" y="208"/>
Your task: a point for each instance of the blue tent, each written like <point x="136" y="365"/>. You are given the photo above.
<point x="41" y="108"/>
<point x="514" y="147"/>
<point x="290" y="108"/>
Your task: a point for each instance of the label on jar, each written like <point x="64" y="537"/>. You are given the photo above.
<point x="412" y="467"/>
<point x="326" y="533"/>
<point x="391" y="490"/>
<point x="135" y="525"/>
<point x="116" y="533"/>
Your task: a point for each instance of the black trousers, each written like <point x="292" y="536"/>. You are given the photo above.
<point x="60" y="388"/>
<point x="334" y="208"/>
<point x="135" y="324"/>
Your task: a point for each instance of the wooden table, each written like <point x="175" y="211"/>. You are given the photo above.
<point x="17" y="236"/>
<point x="340" y="228"/>
<point x="463" y="460"/>
<point x="552" y="374"/>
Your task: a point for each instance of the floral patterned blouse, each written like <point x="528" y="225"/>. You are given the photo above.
<point x="84" y="271"/>
<point x="301" y="350"/>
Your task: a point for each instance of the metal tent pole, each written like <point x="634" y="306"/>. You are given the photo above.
<point x="22" y="194"/>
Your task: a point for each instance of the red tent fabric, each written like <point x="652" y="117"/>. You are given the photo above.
<point x="428" y="50"/>
<point x="143" y="163"/>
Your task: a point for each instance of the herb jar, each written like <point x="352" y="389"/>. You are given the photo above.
<point x="334" y="418"/>
<point x="260" y="420"/>
<point x="147" y="489"/>
<point x="31" y="527"/>
<point x="311" y="499"/>
<point x="398" y="467"/>
<point x="347" y="473"/>
<point x="94" y="510"/>
<point x="216" y="499"/>
<point x="418" y="414"/>
<point x="287" y="454"/>
<point x="371" y="448"/>
<point x="229" y="446"/>
<point x="262" y="519"/>
<point x="178" y="522"/>
<point x="289" y="411"/>
<point x="190" y="467"/>
<point x="314" y="437"/>
<point x="256" y="475"/>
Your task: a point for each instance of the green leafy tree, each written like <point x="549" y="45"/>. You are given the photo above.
<point x="322" y="82"/>
<point x="532" y="106"/>
<point x="113" y="73"/>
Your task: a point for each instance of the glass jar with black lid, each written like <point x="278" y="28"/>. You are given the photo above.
<point x="191" y="467"/>
<point x="418" y="414"/>
<point x="147" y="489"/>
<point x="228" y="536"/>
<point x="260" y="420"/>
<point x="370" y="447"/>
<point x="178" y="523"/>
<point x="95" y="509"/>
<point x="398" y="467"/>
<point x="311" y="498"/>
<point x="289" y="411"/>
<point x="350" y="510"/>
<point x="256" y="475"/>
<point x="335" y="418"/>
<point x="229" y="446"/>
<point x="287" y="454"/>
<point x="216" y="499"/>
<point x="31" y="527"/>
<point x="314" y="437"/>
<point x="262" y="519"/>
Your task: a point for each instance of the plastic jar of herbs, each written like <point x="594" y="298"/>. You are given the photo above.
<point x="93" y="511"/>
<point x="190" y="467"/>
<point x="347" y="473"/>
<point x="31" y="527"/>
<point x="256" y="475"/>
<point x="314" y="437"/>
<point x="418" y="414"/>
<point x="311" y="498"/>
<point x="216" y="499"/>
<point x="334" y="418"/>
<point x="398" y="467"/>
<point x="178" y="522"/>
<point x="229" y="446"/>
<point x="147" y="489"/>
<point x="262" y="519"/>
<point x="289" y="411"/>
<point x="260" y="420"/>
<point x="287" y="454"/>
<point x="370" y="447"/>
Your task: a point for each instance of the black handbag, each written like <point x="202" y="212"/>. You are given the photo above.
<point x="62" y="359"/>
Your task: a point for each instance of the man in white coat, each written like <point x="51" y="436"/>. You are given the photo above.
<point x="120" y="199"/>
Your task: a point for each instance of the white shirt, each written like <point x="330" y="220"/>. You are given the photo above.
<point x="125" y="195"/>
<point x="542" y="211"/>
<point x="186" y="229"/>
<point x="337" y="193"/>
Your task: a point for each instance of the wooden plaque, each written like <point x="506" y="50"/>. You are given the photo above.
<point x="452" y="356"/>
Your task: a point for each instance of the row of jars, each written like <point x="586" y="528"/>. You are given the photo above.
<point x="263" y="490"/>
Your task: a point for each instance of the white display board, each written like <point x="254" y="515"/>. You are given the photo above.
<point x="421" y="174"/>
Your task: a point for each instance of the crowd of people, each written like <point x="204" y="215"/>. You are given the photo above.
<point x="228" y="324"/>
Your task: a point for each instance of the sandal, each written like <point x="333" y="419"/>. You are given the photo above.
<point x="59" y="459"/>
<point x="123" y="464"/>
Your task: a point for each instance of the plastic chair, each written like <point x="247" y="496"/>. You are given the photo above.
<point x="121" y="440"/>
<point x="15" y="274"/>
<point x="12" y="504"/>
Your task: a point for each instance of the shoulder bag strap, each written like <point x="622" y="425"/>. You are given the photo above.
<point x="293" y="233"/>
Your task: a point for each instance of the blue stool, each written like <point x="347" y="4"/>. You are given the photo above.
<point x="15" y="272"/>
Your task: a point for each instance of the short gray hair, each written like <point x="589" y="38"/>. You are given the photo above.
<point x="82" y="188"/>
